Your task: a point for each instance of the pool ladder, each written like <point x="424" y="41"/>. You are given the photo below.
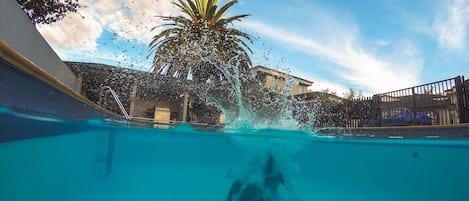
<point x="110" y="153"/>
<point x="107" y="89"/>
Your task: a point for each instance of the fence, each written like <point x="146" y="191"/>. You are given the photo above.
<point x="438" y="103"/>
<point x="464" y="100"/>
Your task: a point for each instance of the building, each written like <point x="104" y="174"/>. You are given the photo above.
<point x="276" y="79"/>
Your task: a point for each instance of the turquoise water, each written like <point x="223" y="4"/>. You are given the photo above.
<point x="182" y="164"/>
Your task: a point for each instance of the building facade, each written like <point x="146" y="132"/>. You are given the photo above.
<point x="278" y="80"/>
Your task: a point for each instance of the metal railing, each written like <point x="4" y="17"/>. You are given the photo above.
<point x="437" y="103"/>
<point x="434" y="103"/>
<point x="462" y="91"/>
<point x="104" y="91"/>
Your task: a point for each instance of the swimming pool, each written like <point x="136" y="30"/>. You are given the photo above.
<point x="54" y="146"/>
<point x="111" y="162"/>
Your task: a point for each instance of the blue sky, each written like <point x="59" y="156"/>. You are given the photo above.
<point x="369" y="45"/>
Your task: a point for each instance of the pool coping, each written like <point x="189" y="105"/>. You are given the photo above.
<point x="454" y="131"/>
<point x="23" y="64"/>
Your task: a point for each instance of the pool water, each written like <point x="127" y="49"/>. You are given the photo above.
<point x="113" y="163"/>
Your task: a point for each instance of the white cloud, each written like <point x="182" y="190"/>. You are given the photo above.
<point x="355" y="64"/>
<point x="75" y="38"/>
<point x="128" y="19"/>
<point x="450" y="25"/>
<point x="73" y="32"/>
<point x="133" y="19"/>
<point x="383" y="43"/>
<point x="322" y="85"/>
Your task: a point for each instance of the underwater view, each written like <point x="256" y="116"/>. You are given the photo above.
<point x="207" y="100"/>
<point x="108" y="162"/>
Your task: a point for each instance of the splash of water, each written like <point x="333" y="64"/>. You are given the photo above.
<point x="244" y="100"/>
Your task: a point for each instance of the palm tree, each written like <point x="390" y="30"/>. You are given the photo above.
<point x="184" y="46"/>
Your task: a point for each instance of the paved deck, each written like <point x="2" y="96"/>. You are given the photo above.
<point x="455" y="131"/>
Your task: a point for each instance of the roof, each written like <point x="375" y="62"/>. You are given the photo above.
<point x="281" y="74"/>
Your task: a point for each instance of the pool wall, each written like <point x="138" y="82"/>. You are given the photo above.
<point x="20" y="34"/>
<point x="22" y="95"/>
<point x="27" y="90"/>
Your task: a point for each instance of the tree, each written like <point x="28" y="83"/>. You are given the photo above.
<point x="48" y="11"/>
<point x="351" y="94"/>
<point x="193" y="44"/>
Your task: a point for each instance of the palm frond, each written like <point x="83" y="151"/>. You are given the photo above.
<point x="226" y="21"/>
<point x="223" y="9"/>
<point x="184" y="7"/>
<point x="210" y="9"/>
<point x="196" y="16"/>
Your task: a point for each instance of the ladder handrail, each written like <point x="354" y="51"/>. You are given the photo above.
<point x="116" y="98"/>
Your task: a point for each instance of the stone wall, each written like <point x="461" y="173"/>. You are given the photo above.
<point x="140" y="92"/>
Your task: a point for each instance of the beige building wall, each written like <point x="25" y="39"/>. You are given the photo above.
<point x="163" y="110"/>
<point x="299" y="89"/>
<point x="279" y="84"/>
<point x="141" y="107"/>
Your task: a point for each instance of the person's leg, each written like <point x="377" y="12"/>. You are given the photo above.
<point x="235" y="189"/>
